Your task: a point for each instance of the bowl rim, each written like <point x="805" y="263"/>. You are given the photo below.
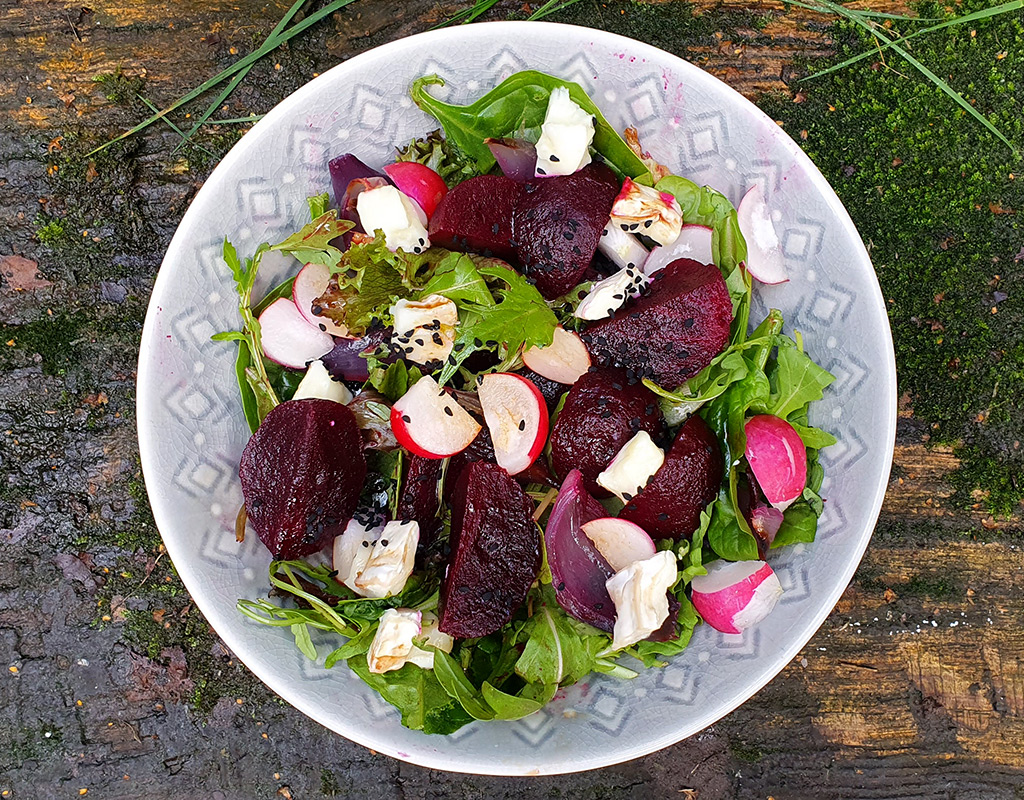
<point x="163" y="513"/>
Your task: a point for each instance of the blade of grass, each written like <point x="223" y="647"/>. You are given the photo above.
<point x="550" y="7"/>
<point x="267" y="47"/>
<point x="986" y="13"/>
<point x="944" y="87"/>
<point x="467" y="14"/>
<point x="235" y="120"/>
<point x="170" y="124"/>
<point x="233" y="83"/>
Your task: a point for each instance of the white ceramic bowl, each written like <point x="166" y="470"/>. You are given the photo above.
<point x="192" y="431"/>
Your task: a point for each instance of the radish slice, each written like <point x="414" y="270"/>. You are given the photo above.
<point x="578" y="570"/>
<point x="764" y="250"/>
<point x="778" y="459"/>
<point x="288" y="339"/>
<point x="620" y="541"/>
<point x="735" y="595"/>
<point x="427" y="421"/>
<point x="517" y="419"/>
<point x="621" y="248"/>
<point x="694" y="242"/>
<point x="565" y="360"/>
<point x="310" y="283"/>
<point x="419" y="182"/>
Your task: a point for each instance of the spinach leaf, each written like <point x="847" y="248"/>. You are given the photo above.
<point x="532" y="698"/>
<point x="453" y="678"/>
<point x="799" y="524"/>
<point x="417" y="693"/>
<point x="516" y="107"/>
<point x="726" y="537"/>
<point x="558" y="649"/>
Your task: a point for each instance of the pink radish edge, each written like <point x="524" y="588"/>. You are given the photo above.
<point x="506" y="397"/>
<point x="418" y="182"/>
<point x="288" y="339"/>
<point x="733" y="596"/>
<point x="777" y="457"/>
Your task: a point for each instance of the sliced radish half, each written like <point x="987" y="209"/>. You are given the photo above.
<point x="427" y="421"/>
<point x="694" y="242"/>
<point x="419" y="182"/>
<point x="620" y="541"/>
<point x="735" y="595"/>
<point x="565" y="360"/>
<point x="517" y="418"/>
<point x="778" y="459"/>
<point x="310" y="283"/>
<point x="764" y="250"/>
<point x="288" y="339"/>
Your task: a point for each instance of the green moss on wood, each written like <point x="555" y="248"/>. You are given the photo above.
<point x="938" y="200"/>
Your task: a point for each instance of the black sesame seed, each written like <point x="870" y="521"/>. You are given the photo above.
<point x="561" y="586"/>
<point x="522" y="424"/>
<point x="540" y="171"/>
<point x="662" y="516"/>
<point x="567" y="235"/>
<point x="627" y="496"/>
<point x="322" y="327"/>
<point x="624" y="226"/>
<point x="605" y="414"/>
<point x="495" y="228"/>
<point x="406" y="419"/>
<point x="688" y="323"/>
<point x="604" y="232"/>
<point x="448" y="411"/>
<point x="419" y="342"/>
<point x="365" y="543"/>
<point x="317" y="311"/>
<point x="598" y="606"/>
<point x="647" y="223"/>
<point x="478" y="343"/>
<point x="611" y="311"/>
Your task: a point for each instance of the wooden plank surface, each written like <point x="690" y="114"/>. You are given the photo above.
<point x="913" y="688"/>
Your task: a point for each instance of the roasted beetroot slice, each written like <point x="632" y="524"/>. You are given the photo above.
<point x="495" y="552"/>
<point x="551" y="391"/>
<point x="671" y="333"/>
<point x="558" y="223"/>
<point x="537" y="472"/>
<point x="480" y="449"/>
<point x="669" y="506"/>
<point x="301" y="473"/>
<point x="476" y="215"/>
<point x="418" y="497"/>
<point x="602" y="412"/>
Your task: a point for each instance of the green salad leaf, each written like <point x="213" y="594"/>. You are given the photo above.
<point x="516" y="108"/>
<point x="438" y="153"/>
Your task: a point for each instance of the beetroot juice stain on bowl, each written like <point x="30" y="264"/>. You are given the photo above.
<point x="215" y="575"/>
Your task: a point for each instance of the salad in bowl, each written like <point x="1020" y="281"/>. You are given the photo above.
<point x="513" y="420"/>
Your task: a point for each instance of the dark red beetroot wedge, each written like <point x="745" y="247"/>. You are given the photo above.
<point x="558" y="223"/>
<point x="477" y="215"/>
<point x="669" y="506"/>
<point x="671" y="333"/>
<point x="418" y="497"/>
<point x="495" y="552"/>
<point x="602" y="412"/>
<point x="480" y="449"/>
<point x="301" y="473"/>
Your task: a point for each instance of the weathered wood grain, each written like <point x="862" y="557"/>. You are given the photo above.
<point x="913" y="688"/>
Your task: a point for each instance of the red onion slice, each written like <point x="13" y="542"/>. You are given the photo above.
<point x="344" y="362"/>
<point x="516" y="157"/>
<point x="344" y="169"/>
<point x="578" y="571"/>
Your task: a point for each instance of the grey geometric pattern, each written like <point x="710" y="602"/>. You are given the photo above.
<point x="192" y="432"/>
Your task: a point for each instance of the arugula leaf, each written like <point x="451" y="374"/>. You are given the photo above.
<point x="521" y="319"/>
<point x="436" y="152"/>
<point x="303" y="641"/>
<point x="417" y="693"/>
<point x="516" y="107"/>
<point x="318" y="204"/>
<point x="531" y="699"/>
<point x="451" y="676"/>
<point x="797" y="379"/>
<point x="457" y="278"/>
<point x="693" y="559"/>
<point x="558" y="650"/>
<point x="312" y="244"/>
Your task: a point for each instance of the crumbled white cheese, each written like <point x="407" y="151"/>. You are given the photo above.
<point x="425" y="329"/>
<point x="376" y="562"/>
<point x="639" y="592"/>
<point x="318" y="383"/>
<point x="608" y="295"/>
<point x="403" y="222"/>
<point x="643" y="209"/>
<point x="565" y="136"/>
<point x="633" y="467"/>
<point x="394" y="644"/>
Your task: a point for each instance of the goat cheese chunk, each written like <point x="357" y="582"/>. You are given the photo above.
<point x="424" y="330"/>
<point x="640" y="594"/>
<point x="608" y="295"/>
<point x="318" y="383"/>
<point x="394" y="644"/>
<point x="376" y="562"/>
<point x="633" y="467"/>
<point x="403" y="222"/>
<point x="565" y="136"/>
<point x="643" y="209"/>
